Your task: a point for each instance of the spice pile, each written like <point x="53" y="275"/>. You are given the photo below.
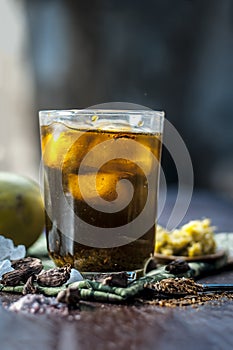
<point x="39" y="304"/>
<point x="182" y="292"/>
<point x="190" y="300"/>
<point x="176" y="286"/>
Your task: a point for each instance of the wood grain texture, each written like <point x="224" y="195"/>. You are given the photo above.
<point x="122" y="327"/>
<point x="102" y="326"/>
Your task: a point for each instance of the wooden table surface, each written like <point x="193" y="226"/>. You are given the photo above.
<point x="103" y="326"/>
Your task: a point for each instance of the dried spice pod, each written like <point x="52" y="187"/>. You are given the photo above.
<point x="29" y="287"/>
<point x="177" y="267"/>
<point x="13" y="278"/>
<point x="116" y="280"/>
<point x="32" y="264"/>
<point x="24" y="268"/>
<point x="54" y="277"/>
<point x="69" y="296"/>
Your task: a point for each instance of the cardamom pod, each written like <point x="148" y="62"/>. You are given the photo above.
<point x="28" y="264"/>
<point x="54" y="277"/>
<point x="24" y="268"/>
<point x="12" y="278"/>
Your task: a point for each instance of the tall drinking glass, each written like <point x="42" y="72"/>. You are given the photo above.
<point x="101" y="172"/>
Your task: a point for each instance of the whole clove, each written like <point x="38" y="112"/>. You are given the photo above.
<point x="177" y="267"/>
<point x="116" y="280"/>
<point x="69" y="296"/>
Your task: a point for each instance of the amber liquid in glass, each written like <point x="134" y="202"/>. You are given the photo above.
<point x="63" y="149"/>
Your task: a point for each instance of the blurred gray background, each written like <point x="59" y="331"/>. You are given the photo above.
<point x="174" y="55"/>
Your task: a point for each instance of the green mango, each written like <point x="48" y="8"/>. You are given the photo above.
<point x="21" y="209"/>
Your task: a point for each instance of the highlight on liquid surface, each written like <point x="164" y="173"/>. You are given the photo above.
<point x="63" y="150"/>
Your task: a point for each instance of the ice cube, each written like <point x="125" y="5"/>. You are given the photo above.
<point x="123" y="153"/>
<point x="84" y="143"/>
<point x="103" y="185"/>
<point x="9" y="251"/>
<point x="106" y="192"/>
<point x="59" y="144"/>
<point x="5" y="266"/>
<point x="75" y="276"/>
<point x="137" y="156"/>
<point x="18" y="252"/>
<point x="6" y="247"/>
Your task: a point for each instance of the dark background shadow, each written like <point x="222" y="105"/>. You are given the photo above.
<point x="170" y="55"/>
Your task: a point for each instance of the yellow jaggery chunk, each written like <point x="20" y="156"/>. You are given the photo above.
<point x="192" y="239"/>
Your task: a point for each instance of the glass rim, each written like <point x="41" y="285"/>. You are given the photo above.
<point x="110" y="112"/>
